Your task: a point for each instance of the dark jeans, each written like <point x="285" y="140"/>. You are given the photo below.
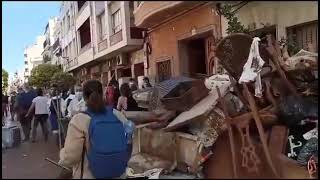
<point x="130" y="148"/>
<point x="42" y="119"/>
<point x="26" y="125"/>
<point x="4" y="110"/>
<point x="12" y="112"/>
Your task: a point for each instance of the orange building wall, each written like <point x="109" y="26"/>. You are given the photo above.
<point x="164" y="39"/>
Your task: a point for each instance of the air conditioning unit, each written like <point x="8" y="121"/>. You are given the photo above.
<point x="122" y="60"/>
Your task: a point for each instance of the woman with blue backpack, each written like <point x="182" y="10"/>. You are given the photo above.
<point x="96" y="145"/>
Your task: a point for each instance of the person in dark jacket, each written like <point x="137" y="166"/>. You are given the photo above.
<point x="22" y="105"/>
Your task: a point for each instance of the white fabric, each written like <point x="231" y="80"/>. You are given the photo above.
<point x="250" y="73"/>
<point x="41" y="105"/>
<point x="71" y="96"/>
<point x="76" y="106"/>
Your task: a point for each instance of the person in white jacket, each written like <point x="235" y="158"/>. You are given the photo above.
<point x="71" y="96"/>
<point x="77" y="104"/>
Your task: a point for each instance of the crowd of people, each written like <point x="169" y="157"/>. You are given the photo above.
<point x="77" y="104"/>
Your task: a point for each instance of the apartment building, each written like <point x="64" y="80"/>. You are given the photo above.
<point x="181" y="37"/>
<point x="67" y="31"/>
<point x="50" y="40"/>
<point x="99" y="40"/>
<point x="33" y="56"/>
<point x="56" y="47"/>
<point x="295" y="20"/>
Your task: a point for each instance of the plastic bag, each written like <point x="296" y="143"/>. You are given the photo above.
<point x="292" y="109"/>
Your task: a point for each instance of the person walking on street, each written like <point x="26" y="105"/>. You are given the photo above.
<point x="71" y="96"/>
<point x="39" y="105"/>
<point x="12" y="102"/>
<point x="5" y="105"/>
<point x="56" y="104"/>
<point x="126" y="101"/>
<point x="77" y="104"/>
<point x="22" y="105"/>
<point x="90" y="146"/>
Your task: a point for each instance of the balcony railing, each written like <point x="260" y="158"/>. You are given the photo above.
<point x="102" y="45"/>
<point x="136" y="33"/>
<point x="71" y="63"/>
<point x="56" y="44"/>
<point x="115" y="38"/>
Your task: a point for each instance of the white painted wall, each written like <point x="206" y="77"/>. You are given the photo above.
<point x="34" y="54"/>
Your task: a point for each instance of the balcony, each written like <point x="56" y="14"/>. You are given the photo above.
<point x="102" y="45"/>
<point x="115" y="38"/>
<point x="45" y="43"/>
<point x="151" y="13"/>
<point x="71" y="63"/>
<point x="56" y="44"/>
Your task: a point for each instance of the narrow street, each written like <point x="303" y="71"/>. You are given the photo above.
<point x="28" y="160"/>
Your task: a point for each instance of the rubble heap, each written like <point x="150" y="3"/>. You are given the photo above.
<point x="269" y="132"/>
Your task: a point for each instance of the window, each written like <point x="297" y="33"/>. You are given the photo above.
<point x="69" y="53"/>
<point x="25" y="55"/>
<point x="164" y="70"/>
<point x="26" y="62"/>
<point x="305" y="36"/>
<point x="27" y="70"/>
<point x="80" y="4"/>
<point x="62" y="30"/>
<point x="116" y="21"/>
<point x="74" y="48"/>
<point x="71" y="16"/>
<point x="101" y="25"/>
<point x="68" y="21"/>
<point x="85" y="35"/>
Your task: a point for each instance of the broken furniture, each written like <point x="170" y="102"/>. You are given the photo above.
<point x="166" y="150"/>
<point x="232" y="52"/>
<point x="181" y="93"/>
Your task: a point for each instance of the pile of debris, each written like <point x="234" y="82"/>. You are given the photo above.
<point x="179" y="135"/>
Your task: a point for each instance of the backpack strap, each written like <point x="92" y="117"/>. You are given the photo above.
<point x="83" y="148"/>
<point x="82" y="158"/>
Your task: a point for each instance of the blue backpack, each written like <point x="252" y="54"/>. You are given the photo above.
<point x="108" y="155"/>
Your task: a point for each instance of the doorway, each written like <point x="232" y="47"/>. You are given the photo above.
<point x="192" y="54"/>
<point x="124" y="72"/>
<point x="138" y="70"/>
